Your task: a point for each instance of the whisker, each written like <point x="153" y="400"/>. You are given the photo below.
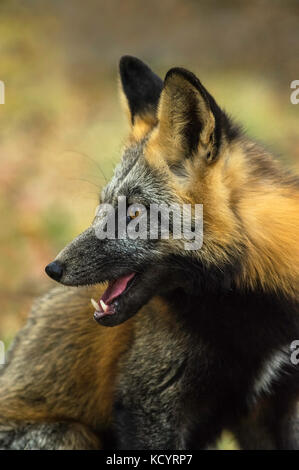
<point x="95" y="162"/>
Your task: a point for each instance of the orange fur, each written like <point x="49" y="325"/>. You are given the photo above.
<point x="242" y="207"/>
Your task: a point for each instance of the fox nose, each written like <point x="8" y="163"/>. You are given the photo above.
<point x="54" y="270"/>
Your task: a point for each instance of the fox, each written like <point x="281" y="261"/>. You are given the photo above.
<point x="148" y="345"/>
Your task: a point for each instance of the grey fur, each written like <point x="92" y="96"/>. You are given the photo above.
<point x="48" y="436"/>
<point x="135" y="180"/>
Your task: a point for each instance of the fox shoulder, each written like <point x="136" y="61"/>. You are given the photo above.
<point x="62" y="364"/>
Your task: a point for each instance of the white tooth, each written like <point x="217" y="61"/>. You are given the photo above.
<point x="95" y="304"/>
<point x="104" y="306"/>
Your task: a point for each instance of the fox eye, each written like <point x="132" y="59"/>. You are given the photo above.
<point x="132" y="215"/>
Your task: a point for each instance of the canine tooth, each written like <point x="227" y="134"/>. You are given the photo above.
<point x="95" y="304"/>
<point x="104" y="306"/>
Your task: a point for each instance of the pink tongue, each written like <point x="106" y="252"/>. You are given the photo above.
<point x="115" y="288"/>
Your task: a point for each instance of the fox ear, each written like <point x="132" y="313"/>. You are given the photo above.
<point x="189" y="118"/>
<point x="141" y="89"/>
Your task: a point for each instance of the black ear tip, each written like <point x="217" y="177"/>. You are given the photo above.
<point x="141" y="86"/>
<point x="174" y="71"/>
<point x="186" y="74"/>
<point x="128" y="62"/>
<point x="127" y="59"/>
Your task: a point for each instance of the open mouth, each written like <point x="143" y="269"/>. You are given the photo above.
<point x="107" y="303"/>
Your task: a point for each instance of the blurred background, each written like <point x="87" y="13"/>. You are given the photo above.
<point x="61" y="127"/>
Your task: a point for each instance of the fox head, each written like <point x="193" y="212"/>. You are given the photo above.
<point x="182" y="150"/>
